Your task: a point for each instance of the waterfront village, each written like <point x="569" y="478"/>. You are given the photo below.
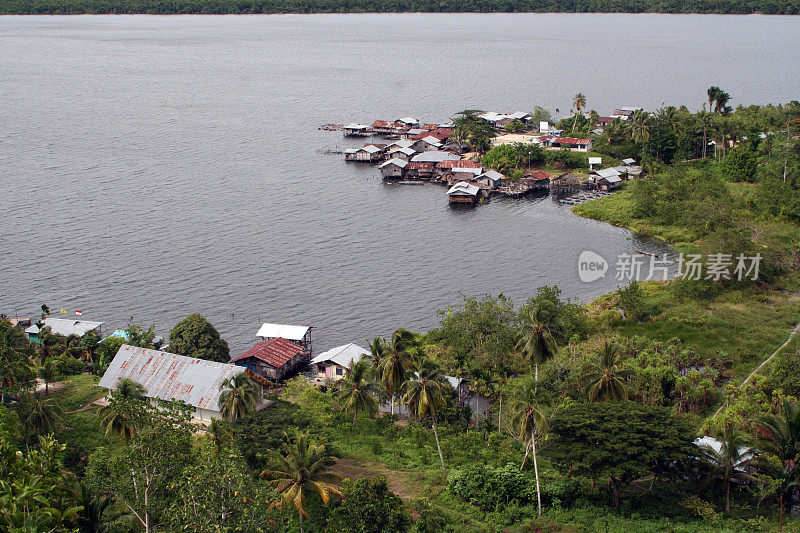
<point x="412" y="151"/>
<point x="282" y="352"/>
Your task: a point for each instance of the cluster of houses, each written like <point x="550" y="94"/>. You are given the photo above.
<point x="282" y="351"/>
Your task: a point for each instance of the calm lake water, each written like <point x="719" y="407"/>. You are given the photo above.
<point x="152" y="167"/>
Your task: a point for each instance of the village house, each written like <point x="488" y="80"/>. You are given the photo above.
<point x="273" y="359"/>
<point x="168" y="376"/>
<point x="65" y="327"/>
<point x="368" y="153"/>
<point x="384" y="127"/>
<point x="400" y="152"/>
<point x="535" y="181"/>
<point x="335" y="363"/>
<point x="609" y="184"/>
<point x="578" y="145"/>
<point x="408" y="122"/>
<point x="427" y="143"/>
<point x="420" y="169"/>
<point x="463" y="193"/>
<point x="393" y="168"/>
<point x="300" y="335"/>
<point x="490" y="179"/>
<point x="441" y="134"/>
<point x="356" y="130"/>
<point x="435" y="156"/>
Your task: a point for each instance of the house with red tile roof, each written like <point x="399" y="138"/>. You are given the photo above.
<point x="273" y="358"/>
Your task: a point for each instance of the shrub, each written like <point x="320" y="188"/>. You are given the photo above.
<point x="368" y="506"/>
<point x="491" y="488"/>
<point x="66" y="365"/>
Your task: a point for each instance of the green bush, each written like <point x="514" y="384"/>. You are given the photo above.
<point x="491" y="488"/>
<point x="368" y="506"/>
<point x="66" y="365"/>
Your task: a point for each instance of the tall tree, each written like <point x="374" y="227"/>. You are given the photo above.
<point x="619" y="441"/>
<point x="606" y="380"/>
<point x="47" y="373"/>
<point x="17" y="370"/>
<point x="778" y="436"/>
<point x="302" y="469"/>
<point x="238" y="396"/>
<point x="579" y="103"/>
<point x="529" y="421"/>
<point x="541" y="331"/>
<point x="139" y="476"/>
<point x="733" y="454"/>
<point x="194" y="336"/>
<point x="398" y="362"/>
<point x="119" y="416"/>
<point x="424" y="395"/>
<point x="41" y="416"/>
<point x="356" y="392"/>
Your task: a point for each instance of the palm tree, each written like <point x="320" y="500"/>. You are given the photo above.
<point x="541" y="330"/>
<point x="705" y="120"/>
<point x="779" y="436"/>
<point x="712" y="94"/>
<point x="238" y="396"/>
<point x="48" y="373"/>
<point x="356" y="391"/>
<point x="398" y="362"/>
<point x="40" y="415"/>
<point x="116" y="416"/>
<point x="128" y="388"/>
<point x="528" y="419"/>
<point x="300" y="470"/>
<point x="220" y="433"/>
<point x="377" y="353"/>
<point x="606" y="380"/>
<point x="579" y="102"/>
<point x="424" y="395"/>
<point x="732" y="454"/>
<point x="639" y="125"/>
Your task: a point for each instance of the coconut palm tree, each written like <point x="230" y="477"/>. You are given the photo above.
<point x="606" y="379"/>
<point x="732" y="454"/>
<point x="300" y="470"/>
<point x="712" y="94"/>
<point x="220" y="433"/>
<point x="47" y="373"/>
<point x="779" y="436"/>
<point x="40" y="415"/>
<point x="377" y="353"/>
<point x="356" y="391"/>
<point x="424" y="395"/>
<point x="238" y="396"/>
<point x="529" y="421"/>
<point x="578" y="102"/>
<point x="117" y="416"/>
<point x="541" y="331"/>
<point x="639" y="125"/>
<point x="398" y="362"/>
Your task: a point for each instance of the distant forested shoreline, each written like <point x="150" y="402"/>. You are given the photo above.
<point x="75" y="7"/>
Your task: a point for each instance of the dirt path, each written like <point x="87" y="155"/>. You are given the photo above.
<point x="399" y="482"/>
<point x="762" y="365"/>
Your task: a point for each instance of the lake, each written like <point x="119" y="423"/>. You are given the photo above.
<point x="156" y="166"/>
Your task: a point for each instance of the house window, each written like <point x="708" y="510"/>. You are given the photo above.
<point x="339" y="371"/>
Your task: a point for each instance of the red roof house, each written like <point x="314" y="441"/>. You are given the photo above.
<point x="273" y="358"/>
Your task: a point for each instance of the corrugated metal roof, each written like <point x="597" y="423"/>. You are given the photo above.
<point x="436" y="156"/>
<point x="462" y="163"/>
<point x="354" y="126"/>
<point x="344" y="355"/>
<point x="607" y="172"/>
<point x="382" y="124"/>
<point x="293" y="333"/>
<point x="370" y="149"/>
<point x="430" y="139"/>
<point x="403" y="150"/>
<point x="66" y="327"/>
<point x="571" y="140"/>
<point x="408" y="120"/>
<point x="491" y="174"/>
<point x="274" y="352"/>
<point x="402" y="143"/>
<point x="397" y="162"/>
<point x="463" y="188"/>
<point x="629" y="161"/>
<point x="169" y="376"/>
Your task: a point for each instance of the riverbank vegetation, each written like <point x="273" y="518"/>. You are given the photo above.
<point x="547" y="414"/>
<point x="224" y="7"/>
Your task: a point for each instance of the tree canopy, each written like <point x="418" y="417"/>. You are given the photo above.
<point x="194" y="336"/>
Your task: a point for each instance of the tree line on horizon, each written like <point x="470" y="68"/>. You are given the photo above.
<point x="72" y="7"/>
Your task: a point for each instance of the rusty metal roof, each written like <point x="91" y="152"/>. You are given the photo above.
<point x="275" y="352"/>
<point x="169" y="376"/>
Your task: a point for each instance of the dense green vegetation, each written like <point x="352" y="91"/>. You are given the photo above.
<point x="587" y="414"/>
<point x="786" y="7"/>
